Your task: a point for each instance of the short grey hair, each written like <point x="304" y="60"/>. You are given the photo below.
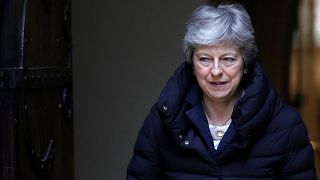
<point x="224" y="23"/>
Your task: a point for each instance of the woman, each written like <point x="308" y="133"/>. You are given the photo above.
<point x="218" y="117"/>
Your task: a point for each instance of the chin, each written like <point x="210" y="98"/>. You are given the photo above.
<point x="219" y="95"/>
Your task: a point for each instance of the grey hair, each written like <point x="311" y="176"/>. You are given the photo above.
<point x="225" y="23"/>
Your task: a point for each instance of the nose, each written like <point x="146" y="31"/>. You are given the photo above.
<point x="216" y="69"/>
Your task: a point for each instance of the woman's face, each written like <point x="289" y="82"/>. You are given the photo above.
<point x="218" y="69"/>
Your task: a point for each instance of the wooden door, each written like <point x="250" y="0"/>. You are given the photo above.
<point x="36" y="125"/>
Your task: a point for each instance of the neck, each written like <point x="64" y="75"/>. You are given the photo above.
<point x="219" y="112"/>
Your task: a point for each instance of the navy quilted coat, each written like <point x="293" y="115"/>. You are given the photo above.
<point x="266" y="140"/>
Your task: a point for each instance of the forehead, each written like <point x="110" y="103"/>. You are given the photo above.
<point x="219" y="48"/>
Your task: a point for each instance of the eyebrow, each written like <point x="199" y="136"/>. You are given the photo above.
<point x="231" y="54"/>
<point x="225" y="54"/>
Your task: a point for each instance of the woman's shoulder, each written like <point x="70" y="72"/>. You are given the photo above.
<point x="288" y="125"/>
<point x="174" y="93"/>
<point x="287" y="119"/>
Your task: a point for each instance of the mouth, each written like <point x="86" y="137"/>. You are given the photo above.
<point x="218" y="83"/>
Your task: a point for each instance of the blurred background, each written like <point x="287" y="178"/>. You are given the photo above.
<point x="123" y="52"/>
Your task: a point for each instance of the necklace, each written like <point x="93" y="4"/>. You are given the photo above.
<point x="208" y="116"/>
<point x="217" y="131"/>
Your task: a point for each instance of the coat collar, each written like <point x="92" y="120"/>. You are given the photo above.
<point x="251" y="115"/>
<point x="172" y="103"/>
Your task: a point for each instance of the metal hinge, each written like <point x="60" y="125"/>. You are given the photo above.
<point x="35" y="77"/>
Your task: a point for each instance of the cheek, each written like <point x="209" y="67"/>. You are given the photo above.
<point x="200" y="70"/>
<point x="237" y="77"/>
<point x="200" y="78"/>
<point x="236" y="73"/>
<point x="201" y="74"/>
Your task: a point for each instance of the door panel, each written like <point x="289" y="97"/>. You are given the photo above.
<point x="36" y="90"/>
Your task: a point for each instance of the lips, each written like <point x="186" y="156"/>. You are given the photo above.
<point x="218" y="83"/>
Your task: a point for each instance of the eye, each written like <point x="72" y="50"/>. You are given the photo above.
<point x="228" y="61"/>
<point x="204" y="61"/>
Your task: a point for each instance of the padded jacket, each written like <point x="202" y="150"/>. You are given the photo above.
<point x="267" y="139"/>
